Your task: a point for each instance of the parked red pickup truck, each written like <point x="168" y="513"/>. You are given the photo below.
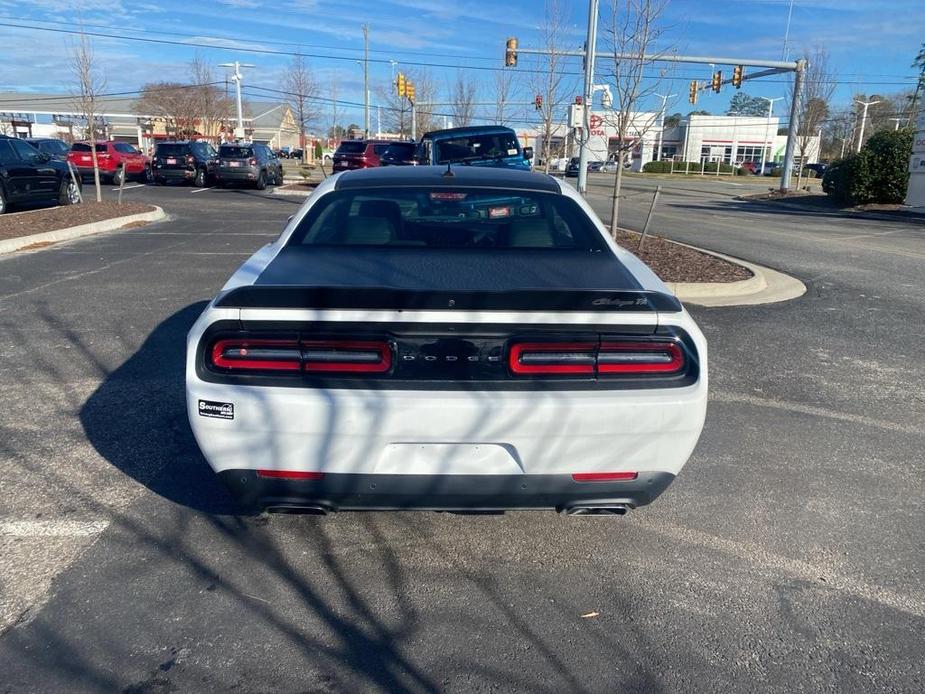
<point x="110" y="156"/>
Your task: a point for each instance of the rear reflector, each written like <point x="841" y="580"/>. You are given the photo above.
<point x="604" y="476"/>
<point x="290" y="474"/>
<point x="592" y="358"/>
<point x="310" y="356"/>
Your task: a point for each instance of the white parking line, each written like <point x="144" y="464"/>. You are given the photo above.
<point x="137" y="185"/>
<point x="51" y="528"/>
<point x="199" y="190"/>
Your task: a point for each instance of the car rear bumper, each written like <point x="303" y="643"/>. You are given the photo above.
<point x="352" y="492"/>
<point x="244" y="174"/>
<point x="175" y="174"/>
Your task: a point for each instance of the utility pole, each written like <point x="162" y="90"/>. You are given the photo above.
<point x="661" y="124"/>
<point x="767" y="131"/>
<point x="366" y="79"/>
<point x="793" y="126"/>
<point x="590" y="45"/>
<point x="237" y="78"/>
<point x="866" y="105"/>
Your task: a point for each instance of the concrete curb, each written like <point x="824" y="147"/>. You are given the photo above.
<point x="765" y="286"/>
<point x="293" y="193"/>
<point x="69" y="233"/>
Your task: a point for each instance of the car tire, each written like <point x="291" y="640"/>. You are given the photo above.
<point x="261" y="183"/>
<point x="118" y="177"/>
<point x="68" y="192"/>
<point x="200" y="179"/>
<point x="147" y="176"/>
<point x="2" y="202"/>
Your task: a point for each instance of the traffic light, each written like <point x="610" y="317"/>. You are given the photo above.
<point x="409" y="91"/>
<point x="401" y="84"/>
<point x="717" y="81"/>
<point x="737" y="73"/>
<point x="693" y="92"/>
<point x="510" y="53"/>
<point x="538" y="102"/>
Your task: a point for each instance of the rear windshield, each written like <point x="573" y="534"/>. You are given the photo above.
<point x="441" y="218"/>
<point x="355" y="147"/>
<point x="171" y="149"/>
<point x="476" y="147"/>
<point x="234" y="152"/>
<point x="52" y="146"/>
<point x="405" y="149"/>
<point x="82" y="147"/>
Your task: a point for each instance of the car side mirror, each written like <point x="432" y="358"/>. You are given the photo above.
<point x="528" y="152"/>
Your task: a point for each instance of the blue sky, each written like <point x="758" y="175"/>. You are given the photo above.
<point x="870" y="49"/>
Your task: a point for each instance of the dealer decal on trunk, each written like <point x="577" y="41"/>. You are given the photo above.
<point x="220" y="410"/>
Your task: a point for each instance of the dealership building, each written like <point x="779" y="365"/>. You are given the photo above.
<point x="697" y="138"/>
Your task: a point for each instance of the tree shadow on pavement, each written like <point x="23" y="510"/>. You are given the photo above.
<point x="137" y="421"/>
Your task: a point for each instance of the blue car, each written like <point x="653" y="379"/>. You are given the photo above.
<point x="481" y="145"/>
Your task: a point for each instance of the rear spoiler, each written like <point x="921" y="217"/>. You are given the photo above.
<point x="603" y="300"/>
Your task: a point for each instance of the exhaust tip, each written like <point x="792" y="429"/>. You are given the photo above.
<point x="299" y="510"/>
<point x="599" y="511"/>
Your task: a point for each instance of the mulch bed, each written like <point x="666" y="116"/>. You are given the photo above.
<point x="26" y="223"/>
<point x="676" y="263"/>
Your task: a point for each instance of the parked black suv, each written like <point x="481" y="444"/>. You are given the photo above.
<point x="28" y="175"/>
<point x="54" y="148"/>
<point x="190" y="162"/>
<point x="252" y="163"/>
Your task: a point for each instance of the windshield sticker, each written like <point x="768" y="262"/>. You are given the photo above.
<point x="511" y="152"/>
<point x="496" y="212"/>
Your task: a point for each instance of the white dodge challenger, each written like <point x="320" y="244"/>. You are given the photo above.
<point x="448" y="339"/>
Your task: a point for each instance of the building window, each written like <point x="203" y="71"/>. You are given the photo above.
<point x="748" y="154"/>
<point x="668" y="152"/>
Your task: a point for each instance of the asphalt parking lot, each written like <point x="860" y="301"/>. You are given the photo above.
<point x="788" y="556"/>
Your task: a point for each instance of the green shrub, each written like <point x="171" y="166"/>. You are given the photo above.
<point x="776" y="172"/>
<point x="742" y="171"/>
<point x="319" y="151"/>
<point x="879" y="173"/>
<point x="666" y="167"/>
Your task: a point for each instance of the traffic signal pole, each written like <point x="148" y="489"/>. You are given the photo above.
<point x="793" y="127"/>
<point x="590" y="45"/>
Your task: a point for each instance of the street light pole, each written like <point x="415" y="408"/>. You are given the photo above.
<point x="661" y="124"/>
<point x="866" y="105"/>
<point x="765" y="146"/>
<point x="590" y="45"/>
<point x="237" y="78"/>
<point x="366" y="80"/>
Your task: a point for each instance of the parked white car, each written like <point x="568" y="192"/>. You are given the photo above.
<point x="462" y="339"/>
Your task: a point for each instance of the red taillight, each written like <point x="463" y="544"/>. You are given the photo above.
<point x="552" y="358"/>
<point x="257" y="355"/>
<point x="290" y="474"/>
<point x="310" y="356"/>
<point x="639" y="357"/>
<point x="591" y="358"/>
<point x="604" y="476"/>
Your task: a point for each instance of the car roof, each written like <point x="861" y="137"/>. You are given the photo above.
<point x="435" y="176"/>
<point x="469" y="130"/>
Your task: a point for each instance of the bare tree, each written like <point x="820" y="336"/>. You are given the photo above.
<point x="397" y="109"/>
<point x="504" y="94"/>
<point x="425" y="115"/>
<point x="549" y="81"/>
<point x="210" y="103"/>
<point x="334" y="91"/>
<point x="175" y="103"/>
<point x="303" y="92"/>
<point x="632" y="29"/>
<point x="813" y="104"/>
<point x="90" y="84"/>
<point x="463" y="100"/>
